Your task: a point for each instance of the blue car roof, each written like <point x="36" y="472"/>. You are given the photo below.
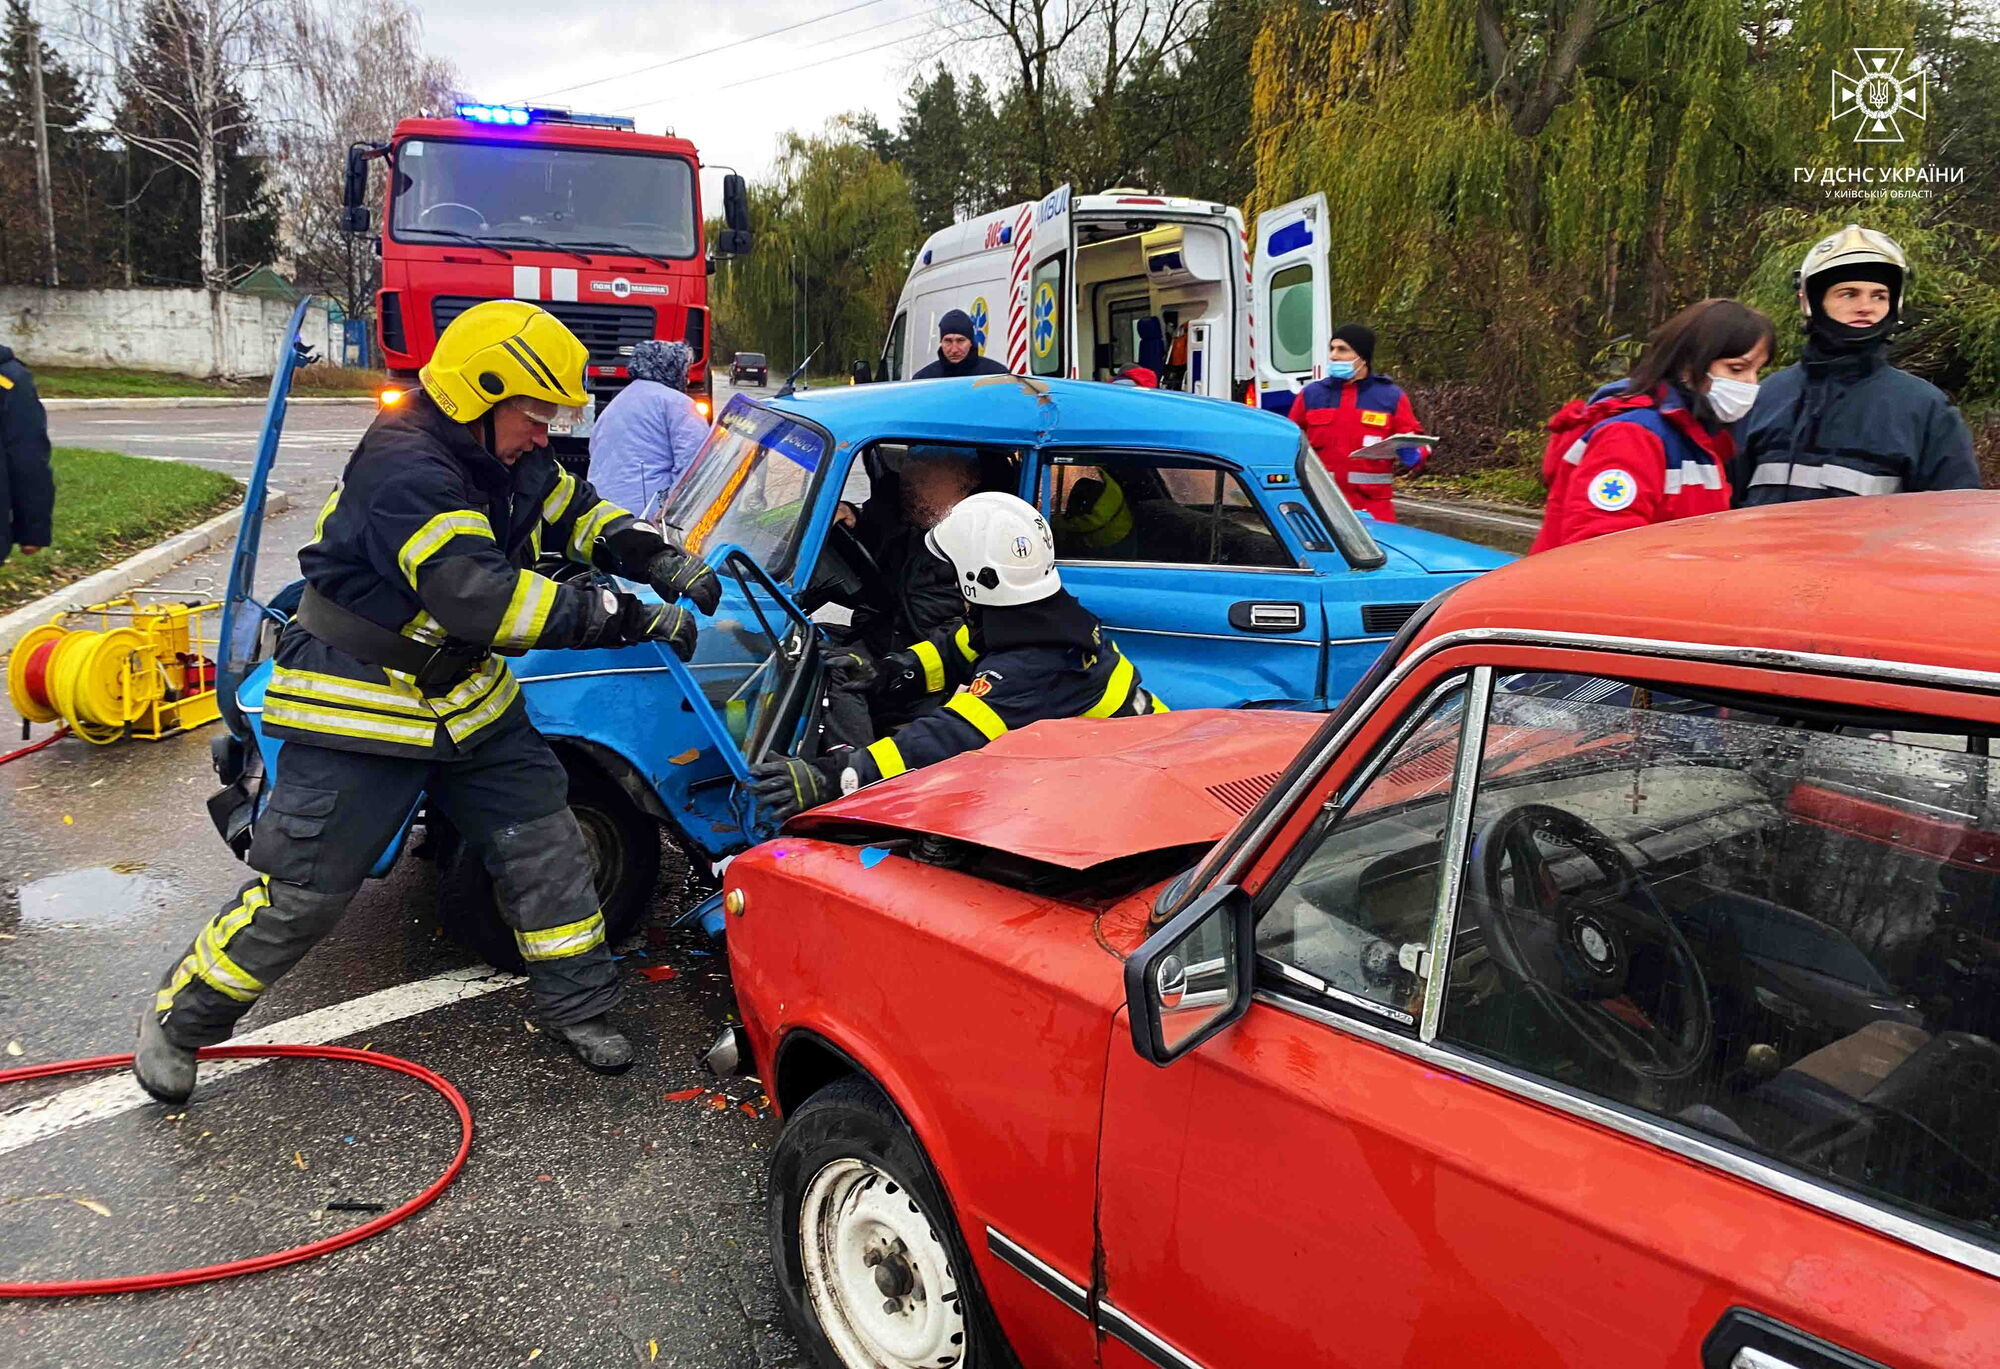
<point x="1009" y="410"/>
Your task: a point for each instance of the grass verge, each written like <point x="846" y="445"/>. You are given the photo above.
<point x="80" y="382"/>
<point x="109" y="507"/>
<point x="1509" y="485"/>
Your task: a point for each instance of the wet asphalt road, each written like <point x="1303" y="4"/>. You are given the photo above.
<point x="596" y="1223"/>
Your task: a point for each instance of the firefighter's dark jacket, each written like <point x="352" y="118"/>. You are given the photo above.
<point x="27" y="488"/>
<point x="1847" y="422"/>
<point x="1018" y="666"/>
<point x="430" y="535"/>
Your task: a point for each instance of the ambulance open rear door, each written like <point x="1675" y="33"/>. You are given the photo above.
<point x="1051" y="286"/>
<point x="1291" y="323"/>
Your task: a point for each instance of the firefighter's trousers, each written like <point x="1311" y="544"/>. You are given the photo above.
<point x="329" y="818"/>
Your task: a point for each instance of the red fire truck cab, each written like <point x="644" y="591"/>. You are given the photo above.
<point x="580" y="213"/>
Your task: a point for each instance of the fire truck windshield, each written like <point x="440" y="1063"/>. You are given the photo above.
<point x="517" y="193"/>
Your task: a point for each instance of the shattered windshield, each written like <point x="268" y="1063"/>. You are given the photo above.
<point x="750" y="486"/>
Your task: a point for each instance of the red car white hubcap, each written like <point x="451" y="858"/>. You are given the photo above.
<point x="880" y="1281"/>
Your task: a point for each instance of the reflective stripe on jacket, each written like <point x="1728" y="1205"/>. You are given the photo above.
<point x="1338" y="417"/>
<point x="431" y="536"/>
<point x="1850" y="425"/>
<point x="1030" y="675"/>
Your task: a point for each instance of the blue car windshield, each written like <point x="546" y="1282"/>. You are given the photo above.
<point x="750" y="486"/>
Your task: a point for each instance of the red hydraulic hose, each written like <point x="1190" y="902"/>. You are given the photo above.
<point x="74" y="1288"/>
<point x="30" y="749"/>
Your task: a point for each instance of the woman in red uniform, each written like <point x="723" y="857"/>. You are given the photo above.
<point x="1656" y="446"/>
<point x="1354" y="408"/>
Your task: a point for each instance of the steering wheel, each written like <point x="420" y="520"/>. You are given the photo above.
<point x="1606" y="961"/>
<point x="872" y="584"/>
<point x="452" y="204"/>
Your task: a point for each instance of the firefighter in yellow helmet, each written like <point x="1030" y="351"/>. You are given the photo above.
<point x="387" y="686"/>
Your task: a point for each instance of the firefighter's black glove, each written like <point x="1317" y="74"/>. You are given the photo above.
<point x="675" y="576"/>
<point x="788" y="786"/>
<point x="900" y="675"/>
<point x="639" y="621"/>
<point x="851" y="671"/>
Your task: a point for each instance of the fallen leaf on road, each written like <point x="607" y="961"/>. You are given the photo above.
<point x="68" y="821"/>
<point x="299" y="1158"/>
<point x="99" y="1208"/>
<point x="747" y="1109"/>
<point x="652" y="1350"/>
<point x="656" y="973"/>
<point x="545" y="1178"/>
<point x="13" y="1048"/>
<point x="718" y="1102"/>
<point x="683" y="1095"/>
<point x="534" y="1354"/>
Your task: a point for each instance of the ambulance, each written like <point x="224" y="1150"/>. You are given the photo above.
<point x="1079" y="286"/>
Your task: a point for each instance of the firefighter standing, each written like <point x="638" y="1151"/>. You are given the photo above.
<point x="1843" y="421"/>
<point x="1353" y="408"/>
<point x="386" y="687"/>
<point x="1029" y="652"/>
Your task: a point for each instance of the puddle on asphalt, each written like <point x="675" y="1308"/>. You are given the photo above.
<point x="84" y="898"/>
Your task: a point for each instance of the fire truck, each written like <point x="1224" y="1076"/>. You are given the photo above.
<point x="599" y="224"/>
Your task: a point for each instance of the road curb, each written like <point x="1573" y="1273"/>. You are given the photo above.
<point x="134" y="571"/>
<point x="196" y="402"/>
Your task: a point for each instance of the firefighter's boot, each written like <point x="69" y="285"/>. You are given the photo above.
<point x="162" y="1068"/>
<point x="597" y="1043"/>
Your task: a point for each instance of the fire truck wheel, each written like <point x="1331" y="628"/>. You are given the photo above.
<point x="624" y="854"/>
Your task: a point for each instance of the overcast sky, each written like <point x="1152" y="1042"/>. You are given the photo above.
<point x="733" y="105"/>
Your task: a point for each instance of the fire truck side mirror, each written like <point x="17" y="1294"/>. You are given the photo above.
<point x="354" y="215"/>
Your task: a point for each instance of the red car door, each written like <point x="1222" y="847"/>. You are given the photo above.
<point x="1581" y="1039"/>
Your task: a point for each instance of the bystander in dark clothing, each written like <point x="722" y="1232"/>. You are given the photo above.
<point x="27" y="486"/>
<point x="958" y="323"/>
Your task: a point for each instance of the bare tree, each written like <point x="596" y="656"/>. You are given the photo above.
<point x="350" y="70"/>
<point x="192" y="63"/>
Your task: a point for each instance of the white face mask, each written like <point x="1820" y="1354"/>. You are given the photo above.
<point x="1731" y="399"/>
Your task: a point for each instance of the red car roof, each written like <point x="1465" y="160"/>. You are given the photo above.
<point x="1913" y="577"/>
<point x="1119" y="787"/>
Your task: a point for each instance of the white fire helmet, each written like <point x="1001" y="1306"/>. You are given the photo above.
<point x="1854" y="253"/>
<point x="1001" y="549"/>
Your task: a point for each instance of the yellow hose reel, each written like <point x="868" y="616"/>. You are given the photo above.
<point x="119" y="669"/>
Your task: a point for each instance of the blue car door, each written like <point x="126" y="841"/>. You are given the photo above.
<point x="1209" y="596"/>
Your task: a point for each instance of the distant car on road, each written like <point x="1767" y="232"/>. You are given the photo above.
<point x="1614" y="979"/>
<point x="749" y="368"/>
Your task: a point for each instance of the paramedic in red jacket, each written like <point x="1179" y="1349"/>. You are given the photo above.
<point x="1354" y="408"/>
<point x="1656" y="446"/>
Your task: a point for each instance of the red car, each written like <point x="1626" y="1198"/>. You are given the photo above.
<point x="1613" y="980"/>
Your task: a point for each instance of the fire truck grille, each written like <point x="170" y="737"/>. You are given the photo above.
<point x="608" y="330"/>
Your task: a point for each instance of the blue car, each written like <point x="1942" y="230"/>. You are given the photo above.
<point x="1207" y="537"/>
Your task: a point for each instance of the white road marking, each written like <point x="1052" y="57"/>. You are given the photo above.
<point x="32" y="1123"/>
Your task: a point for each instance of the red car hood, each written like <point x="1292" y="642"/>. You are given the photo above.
<point x="1077" y="793"/>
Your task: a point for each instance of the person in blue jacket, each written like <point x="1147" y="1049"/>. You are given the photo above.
<point x="650" y="431"/>
<point x="1843" y="421"/>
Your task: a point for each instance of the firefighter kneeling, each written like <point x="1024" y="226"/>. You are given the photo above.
<point x="387" y="686"/>
<point x="1029" y="651"/>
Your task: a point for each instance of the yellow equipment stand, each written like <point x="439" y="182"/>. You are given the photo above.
<point x="119" y="669"/>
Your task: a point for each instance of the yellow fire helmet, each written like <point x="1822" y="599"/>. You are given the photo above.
<point x="500" y="349"/>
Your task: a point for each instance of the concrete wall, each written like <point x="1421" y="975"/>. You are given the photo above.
<point x="153" y="330"/>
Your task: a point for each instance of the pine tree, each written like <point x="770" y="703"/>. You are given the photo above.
<point x="931" y="146"/>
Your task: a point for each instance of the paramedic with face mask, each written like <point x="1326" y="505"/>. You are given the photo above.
<point x="1346" y="415"/>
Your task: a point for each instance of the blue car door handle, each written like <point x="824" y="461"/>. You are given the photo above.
<point x="1257" y="615"/>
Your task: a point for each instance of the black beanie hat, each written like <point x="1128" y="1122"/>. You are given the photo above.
<point x="956" y="321"/>
<point x="1360" y="337"/>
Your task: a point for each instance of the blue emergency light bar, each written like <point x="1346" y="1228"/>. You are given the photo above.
<point x="520" y="116"/>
